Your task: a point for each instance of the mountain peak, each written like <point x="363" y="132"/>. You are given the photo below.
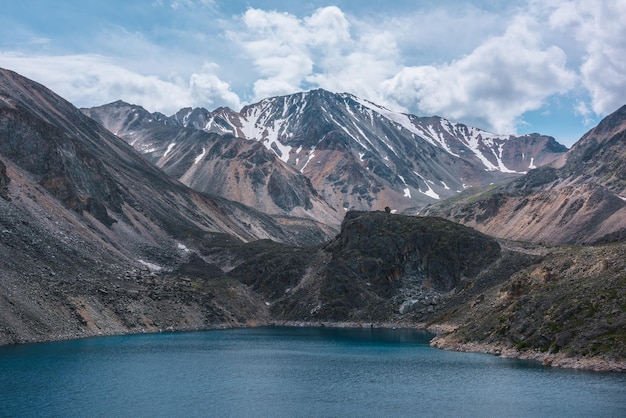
<point x="607" y="128"/>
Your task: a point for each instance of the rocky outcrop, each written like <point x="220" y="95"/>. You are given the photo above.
<point x="567" y="310"/>
<point x="380" y="267"/>
<point x="384" y="248"/>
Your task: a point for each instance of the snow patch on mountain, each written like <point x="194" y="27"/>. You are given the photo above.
<point x="429" y="192"/>
<point x="200" y="157"/>
<point x="401" y="119"/>
<point x="310" y="156"/>
<point x="256" y="126"/>
<point x="435" y="137"/>
<point x="476" y="140"/>
<point x="169" y="148"/>
<point x="330" y="116"/>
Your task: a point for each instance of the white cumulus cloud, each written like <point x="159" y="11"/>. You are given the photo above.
<point x="599" y="26"/>
<point x="320" y="50"/>
<point x="488" y="65"/>
<point x="91" y="80"/>
<point x="208" y="89"/>
<point x="493" y="85"/>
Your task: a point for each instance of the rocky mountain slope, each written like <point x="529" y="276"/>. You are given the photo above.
<point x="93" y="172"/>
<point x="79" y="206"/>
<point x="563" y="306"/>
<point x="355" y="154"/>
<point x="579" y="199"/>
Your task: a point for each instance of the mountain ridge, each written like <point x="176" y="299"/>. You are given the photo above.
<point x="356" y="155"/>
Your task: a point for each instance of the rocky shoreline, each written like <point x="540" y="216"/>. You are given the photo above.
<point x="598" y="364"/>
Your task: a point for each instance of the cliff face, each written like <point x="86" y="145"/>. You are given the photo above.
<point x="378" y="268"/>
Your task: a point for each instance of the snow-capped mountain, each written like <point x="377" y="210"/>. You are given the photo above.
<point x="235" y="168"/>
<point x="580" y="199"/>
<point x="356" y="154"/>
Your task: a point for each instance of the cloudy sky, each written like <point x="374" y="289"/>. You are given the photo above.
<point x="517" y="66"/>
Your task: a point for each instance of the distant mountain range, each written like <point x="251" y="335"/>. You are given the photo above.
<point x="324" y="148"/>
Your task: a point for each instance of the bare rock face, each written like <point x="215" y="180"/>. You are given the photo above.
<point x="62" y="163"/>
<point x="600" y="154"/>
<point x="388" y="246"/>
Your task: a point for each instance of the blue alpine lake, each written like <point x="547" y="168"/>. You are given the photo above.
<point x="290" y="372"/>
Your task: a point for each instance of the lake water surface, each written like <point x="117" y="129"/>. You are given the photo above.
<point x="290" y="372"/>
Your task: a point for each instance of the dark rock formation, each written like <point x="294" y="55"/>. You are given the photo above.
<point x="383" y="248"/>
<point x="377" y="262"/>
<point x="4" y="181"/>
